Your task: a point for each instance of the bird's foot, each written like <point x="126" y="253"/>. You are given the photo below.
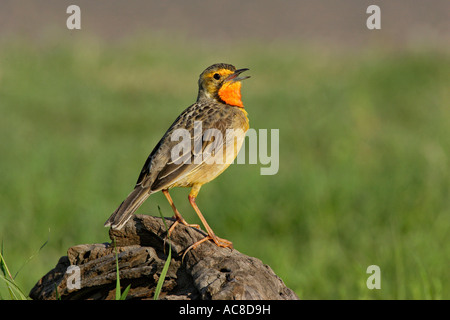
<point x="223" y="243"/>
<point x="172" y="227"/>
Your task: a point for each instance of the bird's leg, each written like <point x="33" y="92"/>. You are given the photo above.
<point x="211" y="236"/>
<point x="177" y="216"/>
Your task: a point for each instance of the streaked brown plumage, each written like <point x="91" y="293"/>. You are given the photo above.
<point x="218" y="106"/>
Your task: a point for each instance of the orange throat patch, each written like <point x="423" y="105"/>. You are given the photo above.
<point x="230" y="93"/>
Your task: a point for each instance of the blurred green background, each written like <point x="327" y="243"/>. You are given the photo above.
<point x="364" y="175"/>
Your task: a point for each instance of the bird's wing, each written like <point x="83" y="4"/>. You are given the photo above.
<point x="164" y="167"/>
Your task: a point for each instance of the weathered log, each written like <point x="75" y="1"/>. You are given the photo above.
<point x="208" y="272"/>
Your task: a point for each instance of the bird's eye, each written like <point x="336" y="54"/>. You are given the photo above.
<point x="216" y="76"/>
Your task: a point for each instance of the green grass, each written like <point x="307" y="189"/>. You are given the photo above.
<point x="165" y="268"/>
<point x="364" y="173"/>
<point x="119" y="295"/>
<point x="6" y="279"/>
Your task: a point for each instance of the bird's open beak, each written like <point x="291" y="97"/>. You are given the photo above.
<point x="235" y="76"/>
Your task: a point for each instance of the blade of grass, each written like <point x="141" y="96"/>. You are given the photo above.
<point x="58" y="297"/>
<point x="3" y="266"/>
<point x="166" y="264"/>
<point x="117" y="272"/>
<point x="13" y="288"/>
<point x="5" y="271"/>
<point x="124" y="294"/>
<point x="33" y="255"/>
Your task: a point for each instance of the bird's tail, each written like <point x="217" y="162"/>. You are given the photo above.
<point x="124" y="212"/>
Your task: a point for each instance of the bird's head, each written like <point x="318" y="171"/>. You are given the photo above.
<point x="222" y="83"/>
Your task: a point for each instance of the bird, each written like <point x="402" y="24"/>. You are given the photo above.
<point x="216" y="125"/>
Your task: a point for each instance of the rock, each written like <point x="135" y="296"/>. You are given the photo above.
<point x="208" y="272"/>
